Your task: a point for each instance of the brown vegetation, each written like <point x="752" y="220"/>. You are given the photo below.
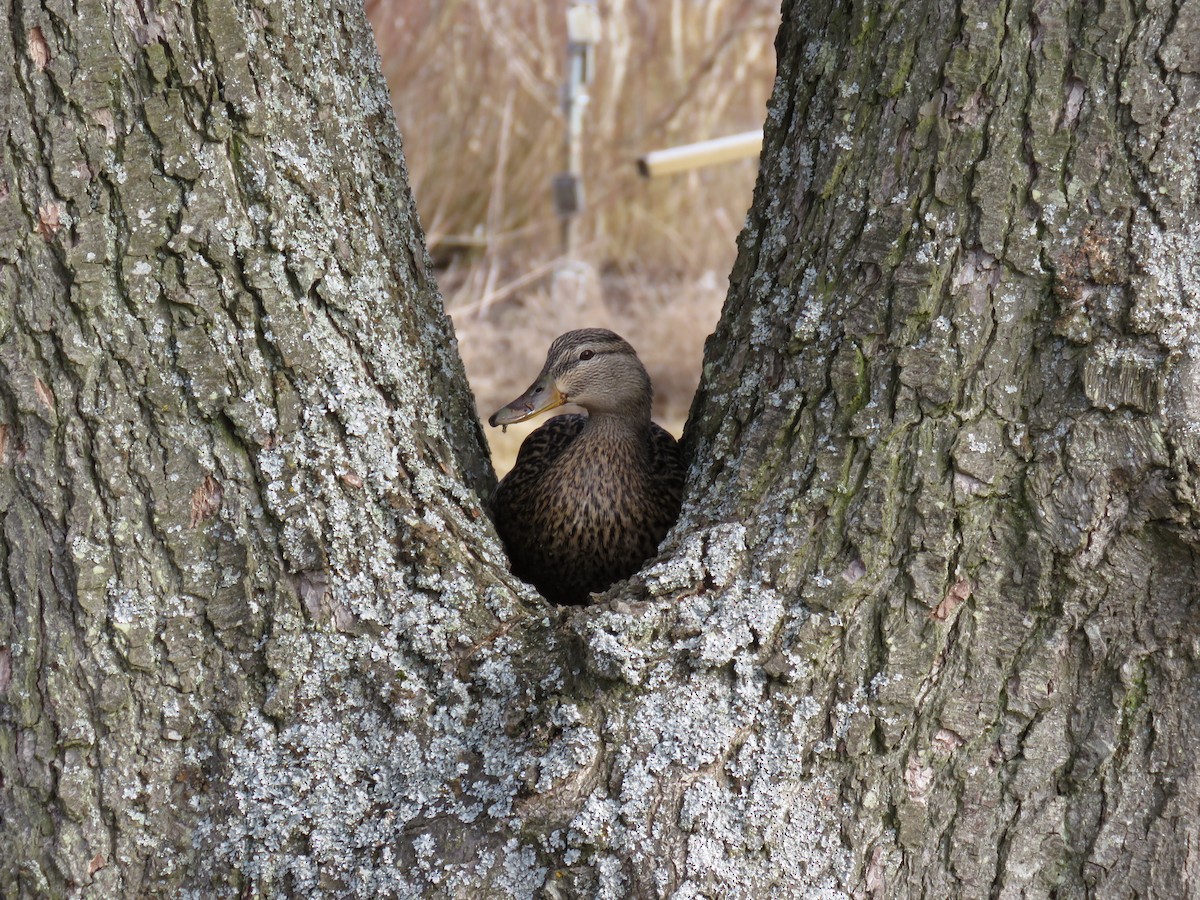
<point x="476" y="85"/>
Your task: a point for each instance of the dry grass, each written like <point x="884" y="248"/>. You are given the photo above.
<point x="504" y="353"/>
<point x="475" y="86"/>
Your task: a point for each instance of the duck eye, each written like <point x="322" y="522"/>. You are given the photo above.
<point x="586" y="354"/>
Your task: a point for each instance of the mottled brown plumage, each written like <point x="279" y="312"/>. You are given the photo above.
<point x="590" y="497"/>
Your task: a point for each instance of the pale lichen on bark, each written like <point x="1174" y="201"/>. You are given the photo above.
<point x="219" y="419"/>
<point x="920" y="632"/>
<point x="1010" y="466"/>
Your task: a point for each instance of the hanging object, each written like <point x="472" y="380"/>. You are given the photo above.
<point x="583" y="33"/>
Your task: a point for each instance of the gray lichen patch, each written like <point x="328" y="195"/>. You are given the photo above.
<point x="924" y="607"/>
<point x="228" y="429"/>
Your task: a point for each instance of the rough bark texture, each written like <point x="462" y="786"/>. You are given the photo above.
<point x="955" y="401"/>
<point x="928" y="627"/>
<point x="233" y="427"/>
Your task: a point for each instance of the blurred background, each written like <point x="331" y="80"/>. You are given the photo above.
<point x="478" y="89"/>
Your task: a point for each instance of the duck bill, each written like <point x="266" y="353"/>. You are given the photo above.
<point x="541" y="396"/>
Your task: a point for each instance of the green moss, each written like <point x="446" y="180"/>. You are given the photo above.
<point x="849" y="377"/>
<point x="898" y="69"/>
<point x="830" y="187"/>
<point x="867" y="29"/>
<point x="1133" y="700"/>
<point x="156" y="60"/>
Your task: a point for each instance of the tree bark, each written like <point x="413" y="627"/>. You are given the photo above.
<point x="237" y="444"/>
<point x="928" y="625"/>
<point x="953" y="401"/>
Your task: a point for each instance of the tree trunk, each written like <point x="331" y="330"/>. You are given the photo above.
<point x="928" y="626"/>
<point x="237" y="443"/>
<point x="954" y="402"/>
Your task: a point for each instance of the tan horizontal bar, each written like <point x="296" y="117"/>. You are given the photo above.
<point x="698" y="155"/>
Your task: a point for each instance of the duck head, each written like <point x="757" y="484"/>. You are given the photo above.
<point x="593" y="368"/>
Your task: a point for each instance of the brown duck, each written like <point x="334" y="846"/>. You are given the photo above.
<point x="589" y="497"/>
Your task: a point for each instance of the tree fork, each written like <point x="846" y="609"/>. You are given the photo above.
<point x="927" y="626"/>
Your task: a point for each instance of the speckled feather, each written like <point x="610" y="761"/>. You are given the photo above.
<point x="578" y="515"/>
<point x="589" y="499"/>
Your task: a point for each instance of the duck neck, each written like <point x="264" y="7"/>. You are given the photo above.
<point x="618" y="425"/>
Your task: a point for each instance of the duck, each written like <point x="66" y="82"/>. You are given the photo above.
<point x="590" y="497"/>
